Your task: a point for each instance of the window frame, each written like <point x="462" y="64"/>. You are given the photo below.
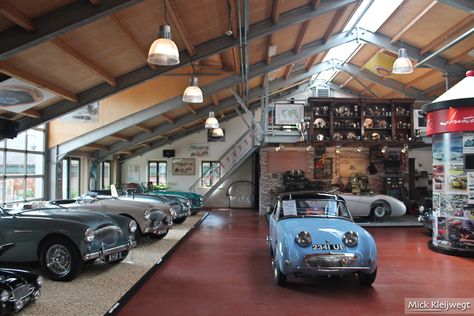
<point x="102" y="173"/>
<point x="158" y="162"/>
<point x="211" y="163"/>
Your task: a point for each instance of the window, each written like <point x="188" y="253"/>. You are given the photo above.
<point x="71" y="179"/>
<point x="105" y="174"/>
<point x="157" y="172"/>
<point x="22" y="167"/>
<point x="210" y="173"/>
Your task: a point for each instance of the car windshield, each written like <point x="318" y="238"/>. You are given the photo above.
<point x="314" y="207"/>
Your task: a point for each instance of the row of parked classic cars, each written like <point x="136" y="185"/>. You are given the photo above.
<point x="63" y="235"/>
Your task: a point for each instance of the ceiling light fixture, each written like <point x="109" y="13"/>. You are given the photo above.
<point x="217" y="132"/>
<point x="404" y="149"/>
<point x="402" y="64"/>
<point x="359" y="149"/>
<point x="211" y="121"/>
<point x="193" y="93"/>
<point x="338" y="149"/>
<point x="384" y="149"/>
<point x="164" y="51"/>
<point x="229" y="26"/>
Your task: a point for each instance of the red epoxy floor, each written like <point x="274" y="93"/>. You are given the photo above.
<point x="224" y="269"/>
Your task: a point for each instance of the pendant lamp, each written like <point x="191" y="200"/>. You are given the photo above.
<point x="193" y="93"/>
<point x="217" y="132"/>
<point x="163" y="51"/>
<point x="211" y="121"/>
<point x="402" y="64"/>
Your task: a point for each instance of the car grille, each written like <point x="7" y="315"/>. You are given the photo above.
<point x="108" y="235"/>
<point x="22" y="291"/>
<point x="329" y="260"/>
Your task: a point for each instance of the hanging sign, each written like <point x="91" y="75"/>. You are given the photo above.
<point x="450" y="120"/>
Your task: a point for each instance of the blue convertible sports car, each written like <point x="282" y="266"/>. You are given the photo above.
<point x="313" y="234"/>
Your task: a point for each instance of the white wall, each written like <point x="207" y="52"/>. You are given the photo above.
<point x="423" y="159"/>
<point x="234" y="129"/>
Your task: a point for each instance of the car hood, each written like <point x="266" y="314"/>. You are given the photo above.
<point x="11" y="278"/>
<point x="74" y="214"/>
<point x="125" y="204"/>
<point x="322" y="229"/>
<point x="186" y="194"/>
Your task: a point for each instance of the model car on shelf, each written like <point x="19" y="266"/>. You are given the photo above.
<point x="152" y="219"/>
<point x="373" y="205"/>
<point x="18" y="288"/>
<point x="62" y="240"/>
<point x="313" y="234"/>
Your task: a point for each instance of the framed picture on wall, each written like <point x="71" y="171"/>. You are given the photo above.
<point x="183" y="166"/>
<point x="199" y="150"/>
<point x="288" y="113"/>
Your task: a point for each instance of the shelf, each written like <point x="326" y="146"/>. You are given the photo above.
<point x="377" y="129"/>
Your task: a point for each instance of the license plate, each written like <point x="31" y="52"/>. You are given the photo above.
<point x="328" y="247"/>
<point x="115" y="256"/>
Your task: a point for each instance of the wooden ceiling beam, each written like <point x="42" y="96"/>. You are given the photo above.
<point x="16" y="16"/>
<point x="107" y="77"/>
<point x="215" y="99"/>
<point x="167" y="118"/>
<point x="144" y="128"/>
<point x="288" y="70"/>
<point x="276" y="11"/>
<point x="458" y="27"/>
<point x="346" y="82"/>
<point x="397" y="36"/>
<point x="459" y="56"/>
<point x="332" y="25"/>
<point x="131" y="39"/>
<point x="235" y="57"/>
<point x="420" y="78"/>
<point x="15" y="72"/>
<point x="270" y="42"/>
<point x="178" y="25"/>
<point x="32" y="113"/>
<point x="97" y="146"/>
<point x="310" y="62"/>
<point x="234" y="19"/>
<point x="315" y="4"/>
<point x="190" y="107"/>
<point x="301" y="34"/>
<point x="120" y="137"/>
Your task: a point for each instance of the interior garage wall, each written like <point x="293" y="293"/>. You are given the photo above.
<point x="234" y="129"/>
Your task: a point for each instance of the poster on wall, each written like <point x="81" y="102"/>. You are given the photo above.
<point x="470" y="187"/>
<point x="288" y="113"/>
<point x="183" y="166"/>
<point x="468" y="143"/>
<point x="18" y="96"/>
<point x="86" y="114"/>
<point x="199" y="150"/>
<point x="438" y="177"/>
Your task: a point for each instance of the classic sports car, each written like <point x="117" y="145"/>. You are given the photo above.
<point x="18" y="288"/>
<point x="152" y="220"/>
<point x="375" y="206"/>
<point x="62" y="239"/>
<point x="313" y="234"/>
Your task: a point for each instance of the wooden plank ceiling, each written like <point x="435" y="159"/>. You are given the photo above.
<point x="101" y="49"/>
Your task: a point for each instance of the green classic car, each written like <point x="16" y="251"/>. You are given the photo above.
<point x="62" y="240"/>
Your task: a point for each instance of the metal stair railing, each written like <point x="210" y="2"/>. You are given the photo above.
<point x="227" y="163"/>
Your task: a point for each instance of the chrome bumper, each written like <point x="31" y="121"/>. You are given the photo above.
<point x="102" y="253"/>
<point x="330" y="263"/>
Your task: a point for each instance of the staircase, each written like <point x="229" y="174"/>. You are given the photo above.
<point x="230" y="161"/>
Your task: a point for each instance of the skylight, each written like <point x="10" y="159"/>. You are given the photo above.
<point x="370" y="15"/>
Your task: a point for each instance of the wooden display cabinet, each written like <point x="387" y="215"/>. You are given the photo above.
<point x="355" y="120"/>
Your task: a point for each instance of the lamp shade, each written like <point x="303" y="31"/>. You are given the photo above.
<point x="402" y="64"/>
<point x="211" y="121"/>
<point x="164" y="51"/>
<point x="217" y="132"/>
<point x="193" y="93"/>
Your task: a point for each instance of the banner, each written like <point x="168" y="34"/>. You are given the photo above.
<point x="450" y="120"/>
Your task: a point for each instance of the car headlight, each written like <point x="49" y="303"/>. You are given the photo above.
<point x="89" y="235"/>
<point x="175" y="209"/>
<point x="4" y="296"/>
<point x="188" y="203"/>
<point x="350" y="238"/>
<point x="303" y="239"/>
<point x="39" y="281"/>
<point x="147" y="214"/>
<point x="132" y="226"/>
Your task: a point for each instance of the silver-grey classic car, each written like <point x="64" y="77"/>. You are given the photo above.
<point x="151" y="220"/>
<point x="63" y="239"/>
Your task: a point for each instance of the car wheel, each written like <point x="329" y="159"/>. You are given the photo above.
<point x="60" y="259"/>
<point x="367" y="279"/>
<point x="179" y="220"/>
<point x="161" y="236"/>
<point x="380" y="210"/>
<point x="278" y="276"/>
